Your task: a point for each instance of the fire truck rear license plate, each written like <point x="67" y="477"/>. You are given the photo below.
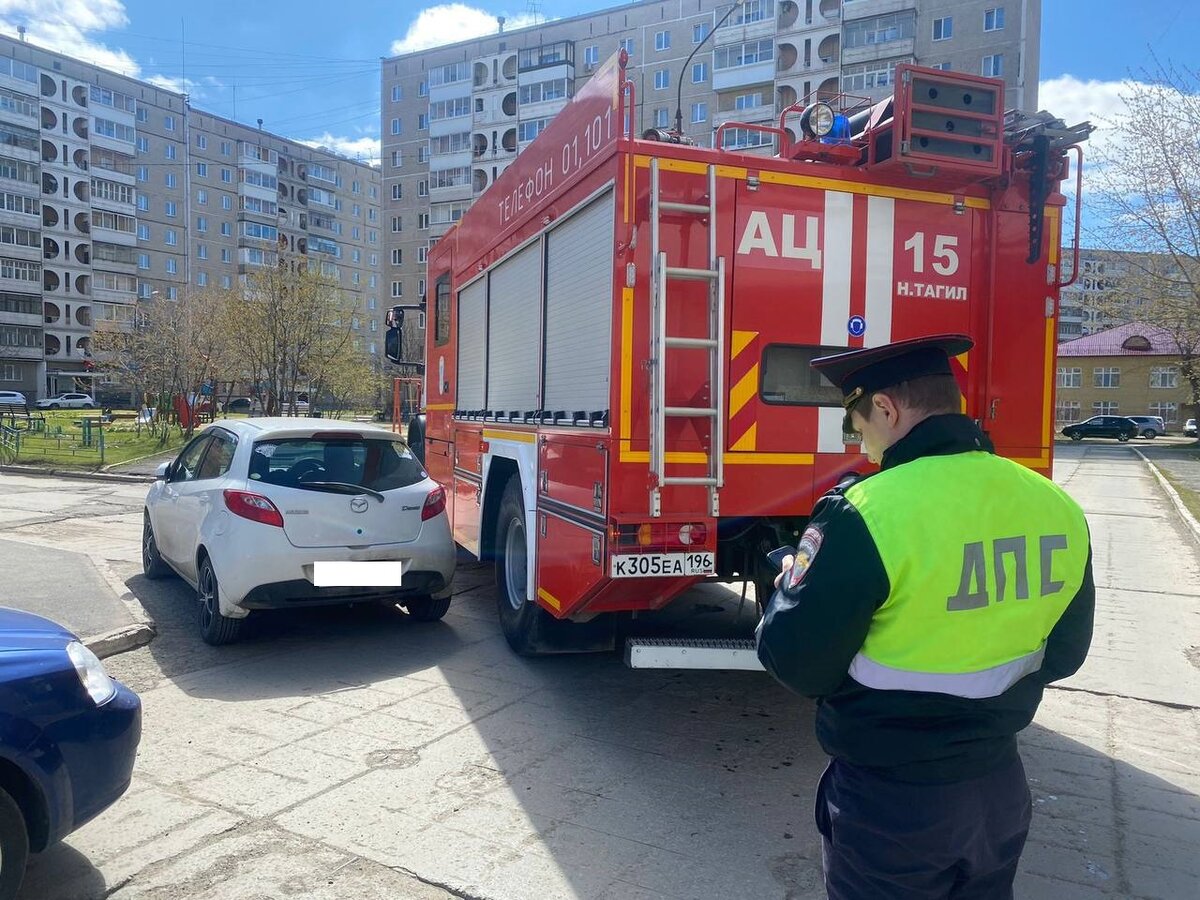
<point x="644" y="565"/>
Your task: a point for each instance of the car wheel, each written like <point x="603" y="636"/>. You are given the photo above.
<point x="1077" y="437"/>
<point x="425" y="608"/>
<point x="215" y="628"/>
<point x="1122" y="438"/>
<point x="54" y="406"/>
<point x="1150" y="434"/>
<point x="14" y="846"/>
<point x="153" y="565"/>
<point x="520" y="616"/>
<point x="89" y="406"/>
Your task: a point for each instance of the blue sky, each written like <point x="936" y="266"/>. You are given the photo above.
<point x="313" y="75"/>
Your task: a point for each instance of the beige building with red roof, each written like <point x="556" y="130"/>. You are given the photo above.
<point x="1131" y="370"/>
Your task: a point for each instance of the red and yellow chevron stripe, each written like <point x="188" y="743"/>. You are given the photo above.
<point x="743" y="376"/>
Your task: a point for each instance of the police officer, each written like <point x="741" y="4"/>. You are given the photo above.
<point x="926" y="607"/>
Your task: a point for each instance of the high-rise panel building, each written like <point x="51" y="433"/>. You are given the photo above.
<point x="114" y="189"/>
<point x="454" y="117"/>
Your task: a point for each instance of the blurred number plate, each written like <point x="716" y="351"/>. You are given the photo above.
<point x="377" y="573"/>
<point x="646" y="565"/>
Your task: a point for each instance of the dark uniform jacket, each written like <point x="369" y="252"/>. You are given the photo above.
<point x="808" y="639"/>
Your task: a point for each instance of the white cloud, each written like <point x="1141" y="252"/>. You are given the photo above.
<point x="70" y="26"/>
<point x="364" y="149"/>
<point x="1100" y="102"/>
<point x="453" y="22"/>
<point x="178" y="85"/>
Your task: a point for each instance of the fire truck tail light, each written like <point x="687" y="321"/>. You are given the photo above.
<point x="692" y="535"/>
<point x="659" y="536"/>
<point x="645" y="534"/>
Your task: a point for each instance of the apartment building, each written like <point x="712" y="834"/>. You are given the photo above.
<point x="113" y="189"/>
<point x="1130" y="370"/>
<point x="454" y="117"/>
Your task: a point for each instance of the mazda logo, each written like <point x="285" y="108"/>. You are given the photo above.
<point x="358" y="505"/>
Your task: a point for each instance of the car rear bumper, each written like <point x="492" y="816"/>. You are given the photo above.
<point x="292" y="594"/>
<point x="98" y="756"/>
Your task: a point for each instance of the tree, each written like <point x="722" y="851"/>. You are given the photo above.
<point x="170" y="349"/>
<point x="1146" y="189"/>
<point x="293" y="326"/>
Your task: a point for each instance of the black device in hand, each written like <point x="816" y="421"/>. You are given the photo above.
<point x="778" y="556"/>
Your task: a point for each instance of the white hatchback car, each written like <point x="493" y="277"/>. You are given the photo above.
<point x="279" y="513"/>
<point x="68" y="401"/>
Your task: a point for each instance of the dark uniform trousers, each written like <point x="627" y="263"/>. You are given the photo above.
<point x="889" y="840"/>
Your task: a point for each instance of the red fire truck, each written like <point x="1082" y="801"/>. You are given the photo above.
<point x="617" y="391"/>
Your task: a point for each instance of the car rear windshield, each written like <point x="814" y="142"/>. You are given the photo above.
<point x="378" y="464"/>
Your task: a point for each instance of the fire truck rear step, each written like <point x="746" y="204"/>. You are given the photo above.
<point x="660" y="342"/>
<point x="694" y="653"/>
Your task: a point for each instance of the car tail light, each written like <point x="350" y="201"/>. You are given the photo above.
<point x="435" y="503"/>
<point x="254" y="507"/>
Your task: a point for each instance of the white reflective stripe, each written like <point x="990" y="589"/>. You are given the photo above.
<point x="835" y="285"/>
<point x="973" y="685"/>
<point x="881" y="220"/>
<point x="829" y="429"/>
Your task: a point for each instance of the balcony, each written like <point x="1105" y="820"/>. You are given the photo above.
<point x="762" y="114"/>
<point x="743" y="76"/>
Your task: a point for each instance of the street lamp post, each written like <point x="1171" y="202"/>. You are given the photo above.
<point x="688" y="61"/>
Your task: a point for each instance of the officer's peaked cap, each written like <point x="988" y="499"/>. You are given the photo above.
<point x="861" y="372"/>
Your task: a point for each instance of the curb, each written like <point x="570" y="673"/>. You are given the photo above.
<point x="120" y="640"/>
<point x="37" y="472"/>
<point x="137" y="459"/>
<point x="1184" y="513"/>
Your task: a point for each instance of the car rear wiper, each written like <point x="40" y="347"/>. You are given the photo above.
<point x="341" y="487"/>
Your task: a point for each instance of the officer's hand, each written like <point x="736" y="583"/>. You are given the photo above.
<point x="787" y="564"/>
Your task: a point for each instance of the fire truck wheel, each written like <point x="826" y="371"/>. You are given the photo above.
<point x="519" y="616"/>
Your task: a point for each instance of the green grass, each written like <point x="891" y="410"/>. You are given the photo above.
<point x="1190" y="498"/>
<point x="62" y="442"/>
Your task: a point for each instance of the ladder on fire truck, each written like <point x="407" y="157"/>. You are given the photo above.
<point x="663" y="273"/>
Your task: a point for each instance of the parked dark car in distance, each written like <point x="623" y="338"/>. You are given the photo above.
<point x="1117" y="427"/>
<point x="68" y="738"/>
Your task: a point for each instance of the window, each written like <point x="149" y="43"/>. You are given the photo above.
<point x="356" y="211"/>
<point x="627" y="45"/>
<point x="1164" y="377"/>
<point x="700" y="32"/>
<point x="143" y="114"/>
<point x="202" y="170"/>
<point x="880" y="29"/>
<point x="944" y="67"/>
<point x="143" y="290"/>
<point x="227" y="176"/>
<point x="423" y="153"/>
<point x="143" y="145"/>
<point x="19" y="203"/>
<point x="943" y="29"/>
<point x="699" y="73"/>
<point x="172" y="266"/>
<point x="202" y="251"/>
<point x="260" y="232"/>
<point x="591" y="55"/>
<point x="423" y="89"/>
<point x="750" y="12"/>
<point x="143" y="173"/>
<point x="397" y="224"/>
<point x="26" y="237"/>
<point x="202" y="141"/>
<point x="172" y="238"/>
<point x="226" y="255"/>
<point x="1067" y="411"/>
<point x="662" y="117"/>
<point x="397" y="159"/>
<point x="355" y="233"/>
<point x="395" y="126"/>
<point x="397" y="191"/>
<point x="544" y="91"/>
<point x="1106" y="377"/>
<point x="662" y="79"/>
<point x="744" y="138"/>
<point x="397" y="288"/>
<point x="662" y="40"/>
<point x="114" y="99"/>
<point x="1070" y="377"/>
<point x="202" y="197"/>
<point x="226" y="202"/>
<point x="113" y="221"/>
<point x="170" y="151"/>
<point x="1105" y="408"/>
<point x="441" y="310"/>
<point x="20" y="270"/>
<point x="143" y="260"/>
<point x="747" y="101"/>
<point x="870" y="75"/>
<point x="397" y="93"/>
<point x="143" y="232"/>
<point x="201" y="224"/>
<point x="1169" y="412"/>
<point x="115" y="130"/>
<point x="993" y="66"/>
<point x="226" y="281"/>
<point x="422" y="254"/>
<point x="169" y="123"/>
<point x="422" y="188"/>
<point x="747" y="54"/>
<point x="226" y="148"/>
<point x="226" y="229"/>
<point x="143" y="203"/>
<point x="993" y="19"/>
<point x="788" y="379"/>
<point x="202" y="279"/>
<point x="422" y="121"/>
<point x="699" y="113"/>
<point x="420" y="291"/>
<point x="531" y="128"/>
<point x="170" y="180"/>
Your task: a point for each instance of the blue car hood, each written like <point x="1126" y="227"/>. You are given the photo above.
<point x="25" y="631"/>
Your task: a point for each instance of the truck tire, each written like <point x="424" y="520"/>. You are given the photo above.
<point x="14" y="846"/>
<point x="215" y="628"/>
<point x="416" y="438"/>
<point x="520" y="615"/>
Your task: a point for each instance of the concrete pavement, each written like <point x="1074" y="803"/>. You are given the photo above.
<point x="354" y="754"/>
